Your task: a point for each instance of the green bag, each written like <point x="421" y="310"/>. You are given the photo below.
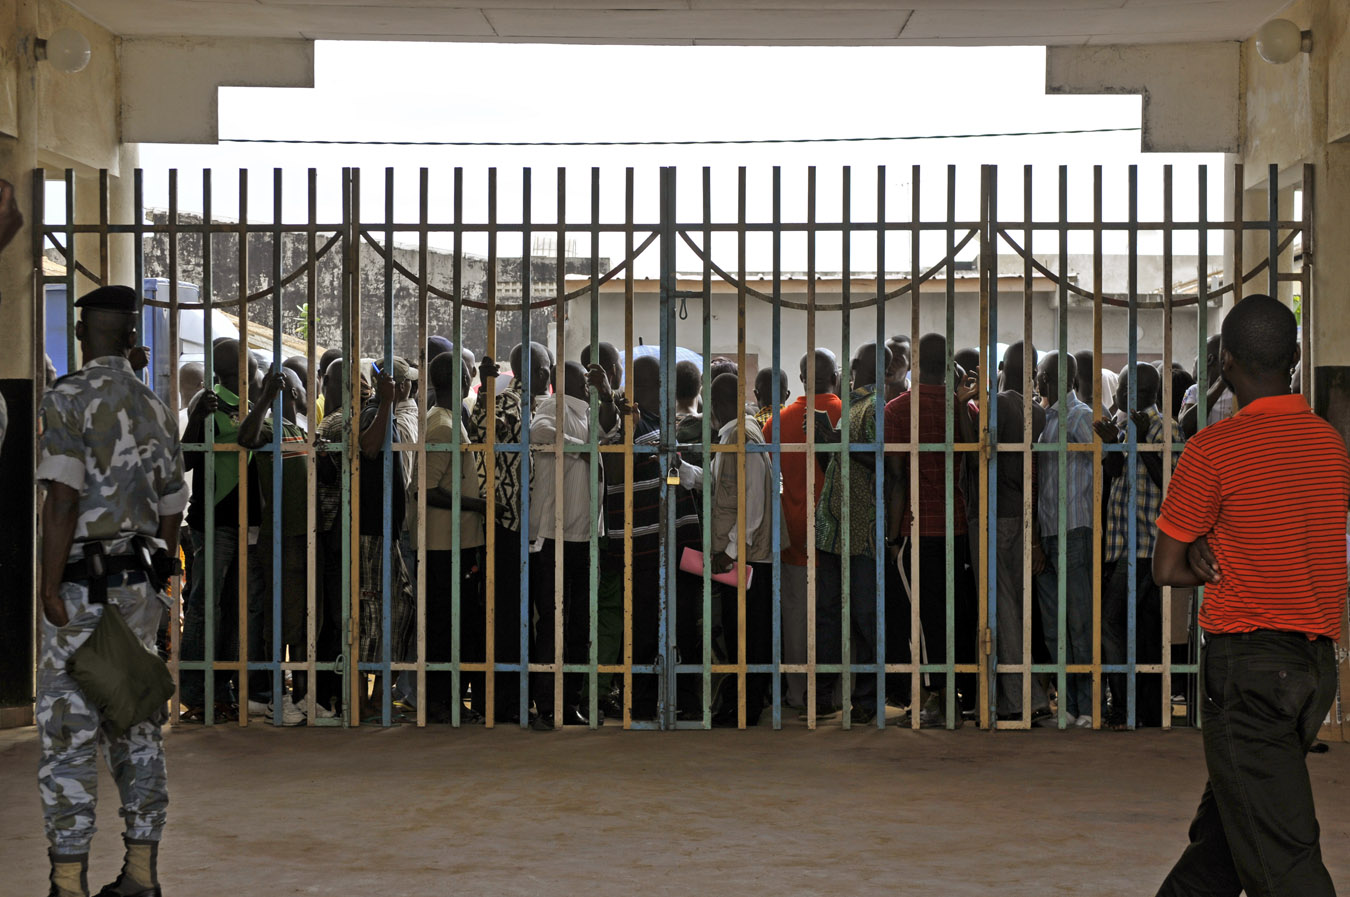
<point x="126" y="682"/>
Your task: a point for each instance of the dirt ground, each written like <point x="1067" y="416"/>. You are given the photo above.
<point x="504" y="812"/>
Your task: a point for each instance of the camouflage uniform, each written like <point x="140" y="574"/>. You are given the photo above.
<point x="106" y="435"/>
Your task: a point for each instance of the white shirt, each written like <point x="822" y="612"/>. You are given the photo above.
<point x="756" y="464"/>
<point x="576" y="497"/>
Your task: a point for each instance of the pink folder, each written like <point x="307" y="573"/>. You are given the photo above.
<point x="691" y="561"/>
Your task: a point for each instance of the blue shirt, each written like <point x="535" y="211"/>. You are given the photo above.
<point x="1079" y="468"/>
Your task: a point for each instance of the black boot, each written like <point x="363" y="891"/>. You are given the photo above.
<point x="140" y="875"/>
<point x="69" y="875"/>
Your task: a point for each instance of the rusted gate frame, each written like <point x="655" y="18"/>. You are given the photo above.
<point x="351" y="231"/>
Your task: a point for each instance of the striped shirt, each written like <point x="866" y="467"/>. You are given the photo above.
<point x="1079" y="469"/>
<point x="1270" y="488"/>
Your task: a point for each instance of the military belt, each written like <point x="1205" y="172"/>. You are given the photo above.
<point x="85" y="570"/>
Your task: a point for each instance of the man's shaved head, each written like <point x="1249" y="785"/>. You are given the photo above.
<point x="1260" y="334"/>
<point x="827" y="371"/>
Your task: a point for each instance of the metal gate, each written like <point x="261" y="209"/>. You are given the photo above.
<point x="340" y="260"/>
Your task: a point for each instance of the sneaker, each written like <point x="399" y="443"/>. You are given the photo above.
<point x="291" y="715"/>
<point x="258" y="708"/>
<point x="1084" y="721"/>
<point x="1044" y="718"/>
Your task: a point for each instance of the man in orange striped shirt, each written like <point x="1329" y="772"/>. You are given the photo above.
<point x="1256" y="512"/>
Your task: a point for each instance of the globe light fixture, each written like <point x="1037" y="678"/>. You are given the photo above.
<point x="67" y="50"/>
<point x="1280" y="40"/>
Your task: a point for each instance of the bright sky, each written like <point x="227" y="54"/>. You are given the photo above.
<point x="468" y="92"/>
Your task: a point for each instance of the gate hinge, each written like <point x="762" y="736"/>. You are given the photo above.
<point x="987" y="641"/>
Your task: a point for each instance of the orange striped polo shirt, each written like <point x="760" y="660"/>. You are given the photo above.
<point x="1270" y="487"/>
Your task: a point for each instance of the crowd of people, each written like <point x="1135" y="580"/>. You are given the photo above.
<point x="834" y="508"/>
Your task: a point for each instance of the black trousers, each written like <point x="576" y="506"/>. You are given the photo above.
<point x="1148" y="639"/>
<point x="575" y="558"/>
<point x="441" y="632"/>
<point x="329" y="596"/>
<point x="688" y="597"/>
<point x="758" y="641"/>
<point x="933" y="609"/>
<point x="1265" y="696"/>
<point x="506" y="624"/>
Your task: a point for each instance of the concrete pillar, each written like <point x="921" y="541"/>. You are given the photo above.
<point x="18" y="158"/>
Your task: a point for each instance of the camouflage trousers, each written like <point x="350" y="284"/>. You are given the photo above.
<point x="71" y="735"/>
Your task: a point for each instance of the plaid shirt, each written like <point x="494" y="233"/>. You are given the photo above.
<point x="1150" y="499"/>
<point x="861" y="498"/>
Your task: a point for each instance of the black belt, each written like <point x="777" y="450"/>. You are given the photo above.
<point x="82" y="571"/>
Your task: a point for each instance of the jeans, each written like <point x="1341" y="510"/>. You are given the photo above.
<point x="192" y="688"/>
<point x="1265" y="696"/>
<point x="1078" y="545"/>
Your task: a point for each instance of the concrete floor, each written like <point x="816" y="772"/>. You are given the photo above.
<point x="437" y="811"/>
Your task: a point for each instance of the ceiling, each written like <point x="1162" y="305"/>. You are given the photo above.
<point x="742" y="22"/>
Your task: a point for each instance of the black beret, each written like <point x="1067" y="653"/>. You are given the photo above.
<point x="110" y="298"/>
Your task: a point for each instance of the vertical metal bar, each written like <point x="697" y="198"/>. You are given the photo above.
<point x="389" y="539"/>
<point x="1062" y="457"/>
<point x="949" y="436"/>
<point x="982" y="557"/>
<point x="356" y="681"/>
<point x="708" y="457"/>
<point x="1028" y="459"/>
<point x="593" y="436"/>
<point x="560" y="388"/>
<point x="241" y="493"/>
<point x="666" y="704"/>
<point x="176" y="402"/>
<point x="1132" y="539"/>
<point x="71" y="266"/>
<point x="420" y="455"/>
<point x="457" y="463"/>
<point x="1306" y="288"/>
<point x="138" y="264"/>
<point x="1202" y="378"/>
<point x="1273" y="214"/>
<point x="776" y="498"/>
<point x="523" y="447"/>
<point x="278" y="468"/>
<point x="628" y="458"/>
<point x="1166" y="456"/>
<point x="989" y="254"/>
<point x="487" y="393"/>
<point x="103" y="267"/>
<point x="916" y="402"/>
<point x="311" y="460"/>
<point x="1098" y="699"/>
<point x="1239" y="233"/>
<point x="209" y="434"/>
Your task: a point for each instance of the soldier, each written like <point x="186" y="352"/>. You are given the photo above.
<point x="110" y="458"/>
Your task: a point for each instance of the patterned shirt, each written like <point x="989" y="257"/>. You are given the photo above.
<point x="1079" y="465"/>
<point x="862" y="427"/>
<point x="110" y="438"/>
<point x="510" y="404"/>
<point x="1149" y="501"/>
<point x="329" y="491"/>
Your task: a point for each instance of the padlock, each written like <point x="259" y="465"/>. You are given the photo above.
<point x="673" y="478"/>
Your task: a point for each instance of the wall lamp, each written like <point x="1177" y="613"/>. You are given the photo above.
<point x="67" y="50"/>
<point x="1280" y="40"/>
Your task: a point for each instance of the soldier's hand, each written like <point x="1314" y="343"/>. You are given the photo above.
<point x="139" y="358"/>
<point x="53" y="608"/>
